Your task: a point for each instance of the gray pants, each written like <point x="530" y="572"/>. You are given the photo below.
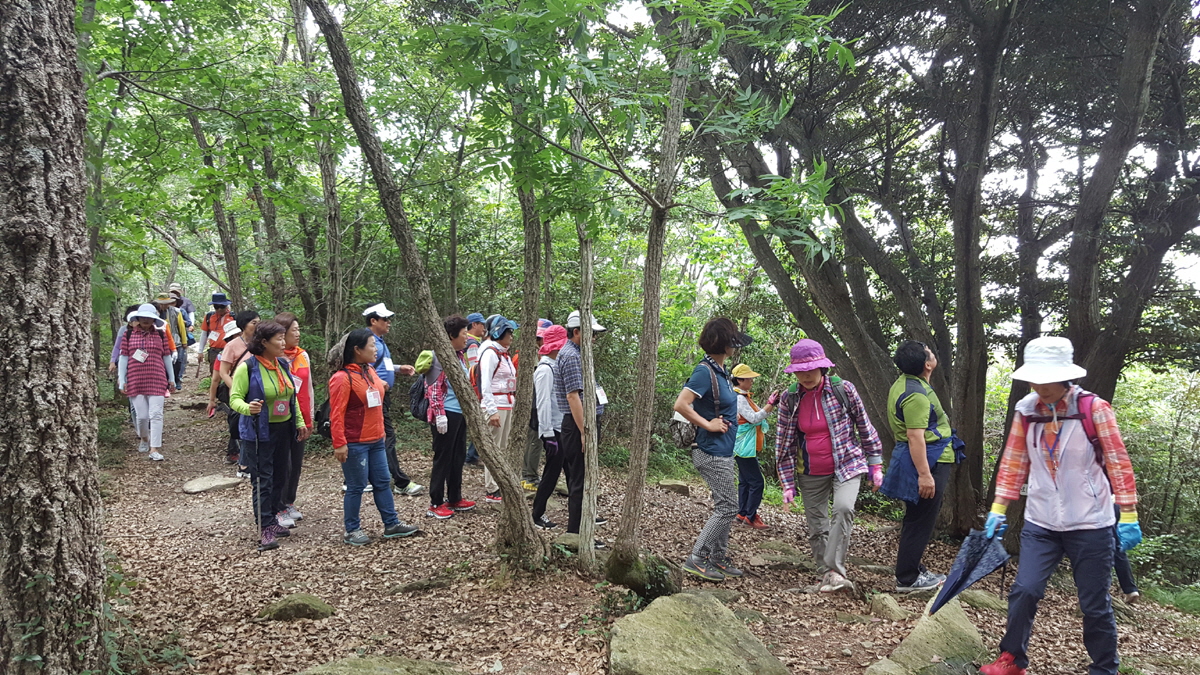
<point x="718" y="473"/>
<point x="829" y="540"/>
<point x="533" y="457"/>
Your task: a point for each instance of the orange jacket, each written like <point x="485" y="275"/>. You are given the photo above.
<point x="351" y="420"/>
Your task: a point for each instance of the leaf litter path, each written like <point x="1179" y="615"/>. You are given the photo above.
<point x="199" y="577"/>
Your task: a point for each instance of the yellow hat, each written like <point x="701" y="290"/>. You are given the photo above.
<point x="743" y="370"/>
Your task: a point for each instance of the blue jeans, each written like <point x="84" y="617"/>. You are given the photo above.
<point x="1091" y="555"/>
<point x="367" y="461"/>
<point x="750" y="486"/>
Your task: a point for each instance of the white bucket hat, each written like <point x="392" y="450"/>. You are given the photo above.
<point x="1049" y="359"/>
<point x="573" y="321"/>
<point x="147" y="311"/>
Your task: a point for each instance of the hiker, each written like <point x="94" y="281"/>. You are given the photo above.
<point x="114" y="360"/>
<point x="1065" y="442"/>
<point x="288" y="464"/>
<point x="144" y="371"/>
<point x="476" y="330"/>
<point x="496" y="377"/>
<point x="356" y="423"/>
<point x="568" y="396"/>
<point x="709" y="403"/>
<point x="263" y="395"/>
<point x="449" y="429"/>
<point x="549" y="421"/>
<point x="824" y="442"/>
<point x="185" y="305"/>
<point x="751" y="422"/>
<point x="921" y="459"/>
<point x="601" y="398"/>
<point x="212" y="330"/>
<point x="379" y="320"/>
<point x="533" y="445"/>
<point x="233" y="353"/>
<point x="165" y="303"/>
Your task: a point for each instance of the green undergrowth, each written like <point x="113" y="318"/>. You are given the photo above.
<point x="1185" y="598"/>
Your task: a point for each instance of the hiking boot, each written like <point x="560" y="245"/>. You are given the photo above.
<point x="411" y="490"/>
<point x="156" y="456"/>
<point x="703" y="568"/>
<point x="279" y="530"/>
<point x="293" y="512"/>
<point x="833" y="582"/>
<point x="726" y="566"/>
<point x="399" y="530"/>
<point x="266" y="540"/>
<point x="461" y="505"/>
<point x="493" y="497"/>
<point x="757" y="523"/>
<point x="925" y="581"/>
<point x="284" y="520"/>
<point x="1002" y="666"/>
<point x="356" y="538"/>
<point x="529" y="485"/>
<point x="441" y="512"/>
<point x="743" y="520"/>
<point x="232" y="458"/>
<point x="544" y="523"/>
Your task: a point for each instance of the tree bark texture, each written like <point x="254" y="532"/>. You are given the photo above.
<point x="51" y="570"/>
<point x="226" y="225"/>
<point x="520" y="539"/>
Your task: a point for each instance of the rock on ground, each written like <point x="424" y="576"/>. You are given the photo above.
<point x="942" y="643"/>
<point x="685" y="634"/>
<point x="210" y="483"/>
<point x="676" y="486"/>
<point x="727" y="596"/>
<point x="983" y="600"/>
<point x="885" y="606"/>
<point x="384" y="665"/>
<point x="297" y="606"/>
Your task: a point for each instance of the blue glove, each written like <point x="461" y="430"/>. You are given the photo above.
<point x="996" y="525"/>
<point x="1130" y="535"/>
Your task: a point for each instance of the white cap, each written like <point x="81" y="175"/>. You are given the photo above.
<point x="573" y="322"/>
<point x="378" y="310"/>
<point x="1049" y="359"/>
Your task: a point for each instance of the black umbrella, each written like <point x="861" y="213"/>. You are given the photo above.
<point x="978" y="557"/>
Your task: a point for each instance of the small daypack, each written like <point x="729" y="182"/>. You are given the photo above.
<point x="683" y="431"/>
<point x="1084" y="404"/>
<point x="475" y="379"/>
<point x="321" y="420"/>
<point x="418" y="400"/>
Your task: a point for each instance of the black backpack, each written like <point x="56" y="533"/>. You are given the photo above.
<point x="418" y="402"/>
<point x="322" y="421"/>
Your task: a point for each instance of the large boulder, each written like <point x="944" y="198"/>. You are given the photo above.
<point x="210" y="483"/>
<point x="983" y="600"/>
<point x="687" y="634"/>
<point x="384" y="665"/>
<point x="885" y="606"/>
<point x="297" y="606"/>
<point x="944" y="643"/>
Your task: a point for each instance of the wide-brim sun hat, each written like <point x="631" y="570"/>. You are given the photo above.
<point x="553" y="340"/>
<point x="146" y="311"/>
<point x="1049" y="359"/>
<point x="219" y="300"/>
<point x="499" y="325"/>
<point x="807" y="355"/>
<point x="165" y="299"/>
<point x="742" y="370"/>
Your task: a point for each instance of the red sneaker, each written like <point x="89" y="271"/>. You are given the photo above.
<point x="744" y="520"/>
<point x="493" y="498"/>
<point x="461" y="505"/>
<point x="757" y="523"/>
<point x="441" y="512"/>
<point x="1002" y="666"/>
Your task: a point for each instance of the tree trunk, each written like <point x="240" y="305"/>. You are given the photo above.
<point x="226" y="226"/>
<point x="277" y="246"/>
<point x="518" y="539"/>
<point x="51" y="570"/>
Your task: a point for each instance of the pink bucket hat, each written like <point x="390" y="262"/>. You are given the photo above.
<point x="808" y="355"/>
<point x="553" y="340"/>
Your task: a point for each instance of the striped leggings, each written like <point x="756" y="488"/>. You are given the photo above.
<point x="718" y="473"/>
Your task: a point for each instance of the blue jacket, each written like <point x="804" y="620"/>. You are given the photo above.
<point x="383" y="356"/>
<point x="900" y="481"/>
<point x="258" y="427"/>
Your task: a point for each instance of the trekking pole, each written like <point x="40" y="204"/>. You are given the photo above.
<point x="257" y="491"/>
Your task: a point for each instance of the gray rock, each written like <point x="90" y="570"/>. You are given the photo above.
<point x="983" y="600"/>
<point x="884" y="570"/>
<point x="676" y="486"/>
<point x="847" y="617"/>
<point x="686" y="634"/>
<point x="946" y="642"/>
<point x="297" y="606"/>
<point x="210" y="483"/>
<point x="886" y="667"/>
<point x="750" y="615"/>
<point x="727" y="596"/>
<point x="384" y="665"/>
<point x="783" y="562"/>
<point x="885" y="606"/>
<point x="779" y="547"/>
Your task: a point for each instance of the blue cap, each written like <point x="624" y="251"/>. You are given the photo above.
<point x="474" y="317"/>
<point x="499" y="325"/>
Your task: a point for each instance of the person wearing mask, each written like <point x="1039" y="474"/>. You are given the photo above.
<point x="710" y="404"/>
<point x="185" y="305"/>
<point x="549" y="421"/>
<point x="379" y="320"/>
<point x="533" y="445"/>
<point x="1065" y="443"/>
<point x="449" y="429"/>
<point x="824" y="443"/>
<point x="750" y="436"/>
<point x="233" y="353"/>
<point x="568" y="395"/>
<point x="356" y="396"/>
<point x="165" y="303"/>
<point x="212" y="330"/>
<point x="144" y="371"/>
<point x="476" y="331"/>
<point x="497" y="377"/>
<point x="924" y="453"/>
<point x="290" y="458"/>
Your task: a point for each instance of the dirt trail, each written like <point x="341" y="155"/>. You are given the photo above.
<point x="199" y="576"/>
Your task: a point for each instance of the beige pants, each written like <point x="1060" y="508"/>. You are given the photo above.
<point x="500" y="442"/>
<point x="829" y="534"/>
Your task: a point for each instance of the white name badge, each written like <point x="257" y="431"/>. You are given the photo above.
<point x="279" y="408"/>
<point x="373" y="398"/>
<point x="140" y="356"/>
<point x="298" y="382"/>
<point x="388" y="365"/>
<point x="601" y="397"/>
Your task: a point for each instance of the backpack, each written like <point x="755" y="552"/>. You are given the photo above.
<point x="839" y="392"/>
<point x="1084" y="403"/>
<point x="418" y="402"/>
<point x="321" y="421"/>
<point x="475" y="379"/>
<point x="683" y="431"/>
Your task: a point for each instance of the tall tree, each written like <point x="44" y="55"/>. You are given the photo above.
<point x="51" y="571"/>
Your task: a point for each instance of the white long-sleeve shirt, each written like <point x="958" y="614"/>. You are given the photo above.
<point x="497" y="378"/>
<point x="747" y="413"/>
<point x="549" y="416"/>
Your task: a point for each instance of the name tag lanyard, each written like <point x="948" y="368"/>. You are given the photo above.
<point x="283" y="386"/>
<point x="1051" y="452"/>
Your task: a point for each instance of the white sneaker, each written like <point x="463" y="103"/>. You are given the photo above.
<point x="293" y="512"/>
<point x="834" y="582"/>
<point x="144" y="446"/>
<point x="367" y="488"/>
<point x="284" y="520"/>
<point x="156" y="456"/>
<point x="412" y="490"/>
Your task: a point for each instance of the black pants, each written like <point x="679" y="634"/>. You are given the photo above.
<point x="1121" y="562"/>
<point x="389" y="444"/>
<point x="571" y="447"/>
<point x="259" y="457"/>
<point x="449" y="453"/>
<point x="554" y="467"/>
<point x="233" y="447"/>
<point x="289" y="459"/>
<point x="919" y="521"/>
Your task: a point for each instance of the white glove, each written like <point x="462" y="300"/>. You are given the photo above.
<point x="175" y="357"/>
<point x="440" y="421"/>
